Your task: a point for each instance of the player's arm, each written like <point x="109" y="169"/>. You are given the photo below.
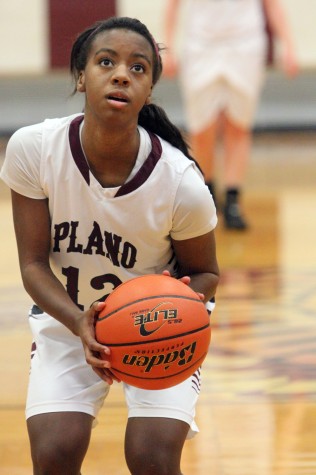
<point x="192" y="234"/>
<point x="32" y="229"/>
<point x="279" y="24"/>
<point x="170" y="66"/>
<point x="196" y="258"/>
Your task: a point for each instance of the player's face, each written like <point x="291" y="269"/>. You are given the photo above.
<point x="117" y="78"/>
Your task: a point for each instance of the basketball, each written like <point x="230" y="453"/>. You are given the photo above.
<point x="158" y="331"/>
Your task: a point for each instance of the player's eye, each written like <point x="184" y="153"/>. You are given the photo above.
<point x="105" y="62"/>
<point x="138" y="68"/>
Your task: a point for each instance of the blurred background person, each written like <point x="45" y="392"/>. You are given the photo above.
<point x="221" y="70"/>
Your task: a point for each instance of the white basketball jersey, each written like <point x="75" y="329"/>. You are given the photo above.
<point x="220" y="19"/>
<point x="101" y="237"/>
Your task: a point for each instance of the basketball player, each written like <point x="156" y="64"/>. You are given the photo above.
<point x="99" y="198"/>
<point x="223" y="59"/>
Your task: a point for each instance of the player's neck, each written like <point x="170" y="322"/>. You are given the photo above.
<point x="111" y="158"/>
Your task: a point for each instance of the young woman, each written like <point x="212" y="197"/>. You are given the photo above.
<point x="99" y="198"/>
<point x="223" y="60"/>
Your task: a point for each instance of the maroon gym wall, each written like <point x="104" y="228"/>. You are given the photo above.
<point x="67" y="18"/>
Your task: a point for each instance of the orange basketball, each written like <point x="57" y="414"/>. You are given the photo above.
<point x="158" y="331"/>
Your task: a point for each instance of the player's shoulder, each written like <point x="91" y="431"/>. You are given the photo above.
<point x="174" y="157"/>
<point x="59" y="123"/>
<point x="32" y="134"/>
<point x="179" y="162"/>
<point x="170" y="152"/>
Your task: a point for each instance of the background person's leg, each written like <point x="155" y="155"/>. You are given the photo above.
<point x="237" y="148"/>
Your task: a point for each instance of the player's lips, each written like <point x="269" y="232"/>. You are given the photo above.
<point x="118" y="96"/>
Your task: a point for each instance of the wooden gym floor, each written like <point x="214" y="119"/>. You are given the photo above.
<point x="257" y="410"/>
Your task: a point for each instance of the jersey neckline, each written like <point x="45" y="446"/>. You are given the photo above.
<point x="140" y="177"/>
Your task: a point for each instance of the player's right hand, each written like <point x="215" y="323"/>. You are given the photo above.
<point x="97" y="355"/>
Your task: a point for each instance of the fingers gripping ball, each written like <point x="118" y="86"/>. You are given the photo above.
<point x="158" y="331"/>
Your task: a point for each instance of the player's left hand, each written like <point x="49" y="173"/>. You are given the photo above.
<point x="185" y="280"/>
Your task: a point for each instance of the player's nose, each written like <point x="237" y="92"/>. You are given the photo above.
<point x="121" y="75"/>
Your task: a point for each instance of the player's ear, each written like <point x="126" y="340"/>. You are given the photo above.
<point x="81" y="83"/>
<point x="148" y="100"/>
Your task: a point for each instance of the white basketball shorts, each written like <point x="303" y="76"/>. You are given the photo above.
<point x="61" y="380"/>
<point x="226" y="77"/>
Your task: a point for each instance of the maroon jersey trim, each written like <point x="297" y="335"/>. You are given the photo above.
<point x="141" y="176"/>
<point x="145" y="170"/>
<point x="76" y="149"/>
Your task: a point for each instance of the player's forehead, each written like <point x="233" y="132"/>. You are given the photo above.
<point x="122" y="40"/>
